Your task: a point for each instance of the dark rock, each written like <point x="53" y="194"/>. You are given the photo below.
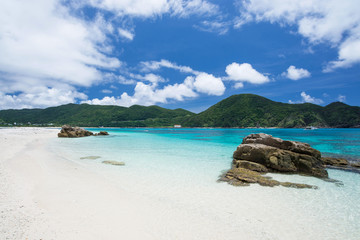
<point x="101" y="133"/>
<point x="355" y="165"/>
<point x="281" y="156"/>
<point x="250" y="165"/>
<point x="74" y="132"/>
<point x="340" y="162"/>
<point x="293" y="146"/>
<point x="244" y="177"/>
<point x="262" y="153"/>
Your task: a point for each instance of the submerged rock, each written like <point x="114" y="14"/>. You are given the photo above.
<point x="262" y="153"/>
<point x="90" y="157"/>
<point x="74" y="132"/>
<point x="116" y="163"/>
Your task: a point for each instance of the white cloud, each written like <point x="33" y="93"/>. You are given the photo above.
<point x="341" y="98"/>
<point x="219" y="27"/>
<point x="39" y="97"/>
<point x="307" y="98"/>
<point x="148" y="94"/>
<point x="294" y="73"/>
<point x="192" y="7"/>
<point x="106" y="91"/>
<point x="126" y="34"/>
<point x="245" y="73"/>
<point x="238" y="85"/>
<point x="151" y="8"/>
<point x="207" y="83"/>
<point x="150" y="77"/>
<point x="349" y="54"/>
<point x="330" y="21"/>
<point x="42" y="45"/>
<point x="156" y="65"/>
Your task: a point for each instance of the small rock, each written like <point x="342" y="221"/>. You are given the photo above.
<point x="116" y="163"/>
<point x="334" y="161"/>
<point x="91" y="157"/>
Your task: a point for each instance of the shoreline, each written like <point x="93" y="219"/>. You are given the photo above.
<point x="47" y="195"/>
<point x="59" y="127"/>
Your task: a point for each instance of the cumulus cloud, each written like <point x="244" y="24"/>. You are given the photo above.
<point x="39" y="97"/>
<point x="306" y="98"/>
<point x="148" y="94"/>
<point x="294" y="73"/>
<point x="151" y="93"/>
<point x="42" y="45"/>
<point x="207" y="83"/>
<point x="245" y="73"/>
<point x="320" y="21"/>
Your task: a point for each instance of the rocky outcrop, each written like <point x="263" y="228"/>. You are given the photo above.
<point x="341" y="163"/>
<point x="262" y="153"/>
<point x="74" y="132"/>
<point x="101" y="133"/>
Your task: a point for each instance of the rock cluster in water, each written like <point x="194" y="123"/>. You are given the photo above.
<point x="262" y="153"/>
<point x="341" y="163"/>
<point x="74" y="132"/>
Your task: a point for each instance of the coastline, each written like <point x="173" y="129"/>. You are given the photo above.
<point x="46" y="195"/>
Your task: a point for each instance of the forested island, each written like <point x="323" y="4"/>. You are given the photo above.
<point x="243" y="111"/>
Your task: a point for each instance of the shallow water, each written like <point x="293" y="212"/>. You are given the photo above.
<point x="181" y="166"/>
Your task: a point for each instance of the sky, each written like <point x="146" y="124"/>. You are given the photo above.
<point x="186" y="54"/>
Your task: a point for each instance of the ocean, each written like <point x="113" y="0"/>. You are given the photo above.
<point x="180" y="167"/>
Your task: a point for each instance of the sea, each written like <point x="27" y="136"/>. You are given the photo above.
<point x="180" y="168"/>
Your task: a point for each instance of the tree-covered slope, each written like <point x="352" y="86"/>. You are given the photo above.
<point x="339" y="114"/>
<point x="96" y="115"/>
<point x="244" y="110"/>
<point x="248" y="110"/>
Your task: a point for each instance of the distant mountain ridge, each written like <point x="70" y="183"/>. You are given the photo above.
<point x="243" y="110"/>
<point x="97" y="115"/>
<point x="249" y="110"/>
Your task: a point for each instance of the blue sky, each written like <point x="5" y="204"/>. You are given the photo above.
<point x="177" y="53"/>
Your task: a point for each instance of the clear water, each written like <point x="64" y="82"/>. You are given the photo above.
<point x="181" y="167"/>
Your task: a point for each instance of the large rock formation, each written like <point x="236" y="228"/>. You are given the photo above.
<point x="74" y="132"/>
<point x="262" y="153"/>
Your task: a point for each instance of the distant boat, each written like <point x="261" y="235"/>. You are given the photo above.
<point x="310" y="128"/>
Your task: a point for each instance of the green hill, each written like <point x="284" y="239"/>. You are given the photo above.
<point x="244" y="110"/>
<point x="97" y="115"/>
<point x="248" y="110"/>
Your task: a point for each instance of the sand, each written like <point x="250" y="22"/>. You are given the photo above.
<point x="46" y="196"/>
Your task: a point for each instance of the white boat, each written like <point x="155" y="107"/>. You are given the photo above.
<point x="310" y="128"/>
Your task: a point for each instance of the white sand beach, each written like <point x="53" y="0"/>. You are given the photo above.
<point x="46" y="196"/>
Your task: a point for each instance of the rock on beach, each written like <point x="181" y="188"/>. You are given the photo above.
<point x="74" y="132"/>
<point x="262" y="153"/>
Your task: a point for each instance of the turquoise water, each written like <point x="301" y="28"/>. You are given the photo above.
<point x="181" y="167"/>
